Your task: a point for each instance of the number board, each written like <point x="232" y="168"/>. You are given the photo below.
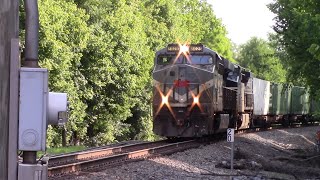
<point x="192" y="48"/>
<point x="173" y="48"/>
<point x="230" y="134"/>
<point x="196" y="48"/>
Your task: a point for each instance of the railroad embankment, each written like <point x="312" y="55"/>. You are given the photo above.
<point x="277" y="154"/>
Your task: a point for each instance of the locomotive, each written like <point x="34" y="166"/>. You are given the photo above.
<point x="197" y="92"/>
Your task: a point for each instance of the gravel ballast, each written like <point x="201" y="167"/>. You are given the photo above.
<point x="275" y="154"/>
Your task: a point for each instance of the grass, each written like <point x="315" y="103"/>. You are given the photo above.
<point x="62" y="150"/>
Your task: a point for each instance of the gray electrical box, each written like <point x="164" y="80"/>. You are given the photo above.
<point x="57" y="108"/>
<point x="33" y="172"/>
<point x="33" y="105"/>
<point x="37" y="109"/>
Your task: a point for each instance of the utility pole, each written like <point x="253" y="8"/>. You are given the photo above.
<point x="9" y="31"/>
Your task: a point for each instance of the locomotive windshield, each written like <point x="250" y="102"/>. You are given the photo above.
<point x="192" y="59"/>
<point x="200" y="59"/>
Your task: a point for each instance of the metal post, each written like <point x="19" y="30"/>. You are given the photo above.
<point x="31" y="54"/>
<point x="32" y="33"/>
<point x="13" y="111"/>
<point x="232" y="154"/>
<point x="29" y="157"/>
<point x="230" y="138"/>
<point x="318" y="141"/>
<point x="9" y="29"/>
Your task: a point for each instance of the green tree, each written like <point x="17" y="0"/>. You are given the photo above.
<point x="297" y="27"/>
<point x="197" y="23"/>
<point x="215" y="33"/>
<point x="260" y="57"/>
<point x="161" y="20"/>
<point x="118" y="61"/>
<point x="116" y="65"/>
<point x="101" y="52"/>
<point x="60" y="51"/>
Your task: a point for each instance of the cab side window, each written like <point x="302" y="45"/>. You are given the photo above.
<point x="164" y="60"/>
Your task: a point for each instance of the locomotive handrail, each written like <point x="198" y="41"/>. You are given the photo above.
<point x="231" y="88"/>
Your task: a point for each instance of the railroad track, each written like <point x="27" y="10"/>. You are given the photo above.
<point x="104" y="157"/>
<point x="95" y="159"/>
<point x="274" y="127"/>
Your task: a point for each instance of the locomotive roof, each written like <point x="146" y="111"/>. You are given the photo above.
<point x="205" y="50"/>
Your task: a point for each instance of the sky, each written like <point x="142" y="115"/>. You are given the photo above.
<point x="244" y="18"/>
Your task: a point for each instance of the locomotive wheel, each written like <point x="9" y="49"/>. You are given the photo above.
<point x="305" y="120"/>
<point x="266" y="124"/>
<point x="172" y="139"/>
<point x="285" y="121"/>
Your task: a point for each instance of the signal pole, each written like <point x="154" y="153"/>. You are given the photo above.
<point x="9" y="32"/>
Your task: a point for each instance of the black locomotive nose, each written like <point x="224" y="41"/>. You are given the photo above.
<point x="180" y="122"/>
<point x="181" y="115"/>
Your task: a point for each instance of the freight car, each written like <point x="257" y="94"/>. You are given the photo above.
<point x="197" y="92"/>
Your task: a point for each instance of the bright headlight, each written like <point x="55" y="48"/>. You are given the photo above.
<point x="196" y="100"/>
<point x="164" y="100"/>
<point x="184" y="48"/>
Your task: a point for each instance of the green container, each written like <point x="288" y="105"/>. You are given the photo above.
<point x="315" y="107"/>
<point x="300" y="103"/>
<point x="280" y="99"/>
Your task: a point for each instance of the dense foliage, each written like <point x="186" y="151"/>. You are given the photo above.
<point x="101" y="52"/>
<point x="297" y="27"/>
<point x="262" y="58"/>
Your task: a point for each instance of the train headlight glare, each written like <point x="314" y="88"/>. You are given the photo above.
<point x="164" y="100"/>
<point x="184" y="48"/>
<point x="196" y="100"/>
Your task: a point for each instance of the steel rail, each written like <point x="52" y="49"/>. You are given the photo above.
<point x="105" y="157"/>
<point x="99" y="152"/>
